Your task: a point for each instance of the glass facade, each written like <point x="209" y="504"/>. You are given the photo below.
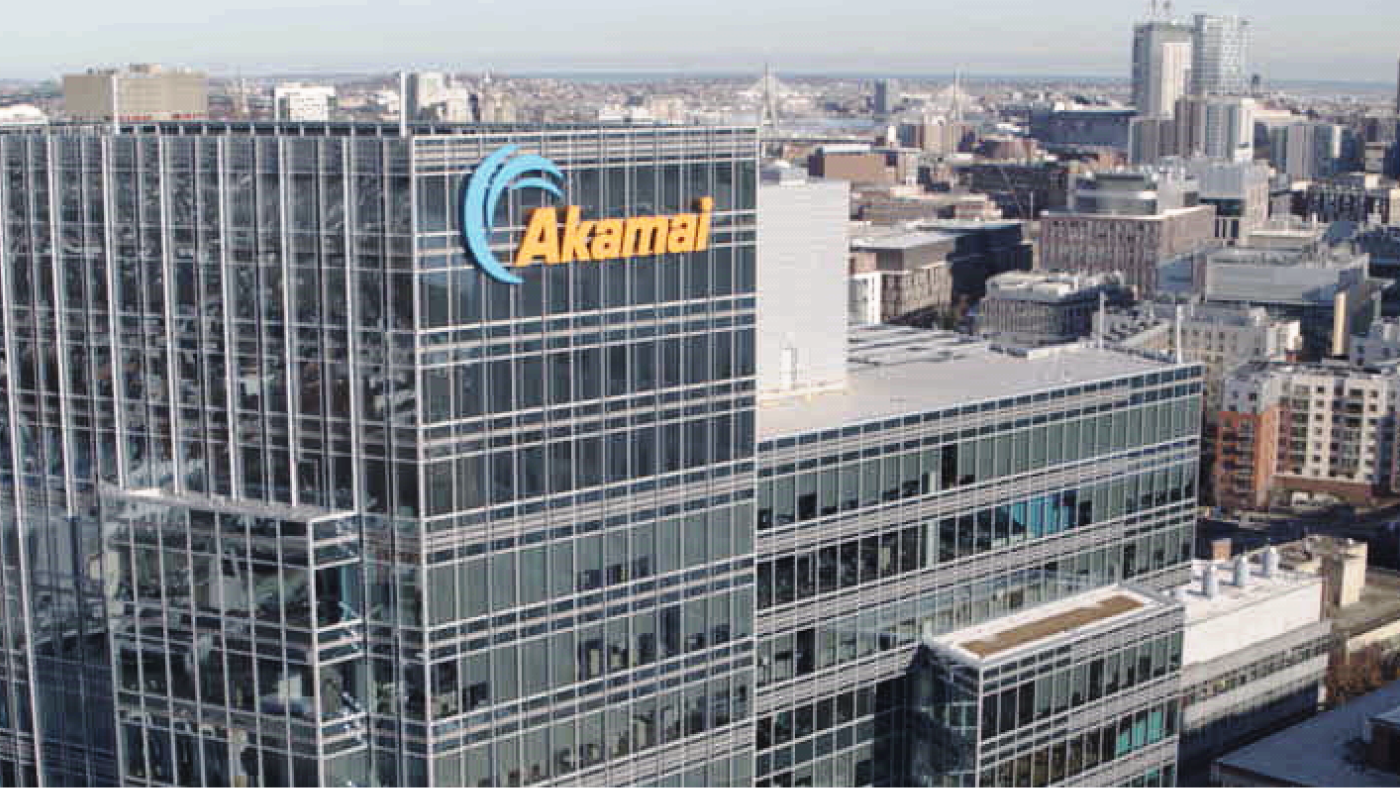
<point x="876" y="535"/>
<point x="294" y="495"/>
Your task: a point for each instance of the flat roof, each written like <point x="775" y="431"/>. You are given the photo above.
<point x="895" y="371"/>
<point x="910" y="239"/>
<point x="1005" y="636"/>
<point x="1325" y="750"/>
<point x="1230" y="597"/>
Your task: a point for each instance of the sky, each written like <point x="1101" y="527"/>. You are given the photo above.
<point x="1354" y="40"/>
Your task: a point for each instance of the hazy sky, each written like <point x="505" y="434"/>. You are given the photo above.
<point x="1294" y="39"/>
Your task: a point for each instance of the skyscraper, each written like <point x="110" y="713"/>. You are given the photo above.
<point x="885" y="97"/>
<point x="1220" y="55"/>
<point x="1161" y="66"/>
<point x="346" y="509"/>
<point x="303" y="486"/>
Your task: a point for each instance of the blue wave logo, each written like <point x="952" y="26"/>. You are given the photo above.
<point x="482" y="191"/>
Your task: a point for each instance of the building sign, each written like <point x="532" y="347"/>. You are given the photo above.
<point x="547" y="239"/>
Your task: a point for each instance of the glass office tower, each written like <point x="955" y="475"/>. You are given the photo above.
<point x="293" y="494"/>
<point x="952" y="485"/>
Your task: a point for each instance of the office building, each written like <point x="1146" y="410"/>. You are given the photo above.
<point x="1253" y="656"/>
<point x="802" y="237"/>
<point x="991" y="702"/>
<point x="903" y="276"/>
<point x="140" y="92"/>
<point x="1032" y="309"/>
<point x="347" y="509"/>
<point x="1075" y="127"/>
<point x="1357" y="744"/>
<point x="294" y="101"/>
<point x="1328" y="290"/>
<point x="1306" y="151"/>
<point x="1217" y="127"/>
<point x="1220" y="56"/>
<point x="1161" y="66"/>
<point x="1364" y="198"/>
<point x="886" y="96"/>
<point x="1315" y="429"/>
<point x="887" y="521"/>
<point x="310" y="496"/>
<point x="1239" y="191"/>
<point x="1128" y="222"/>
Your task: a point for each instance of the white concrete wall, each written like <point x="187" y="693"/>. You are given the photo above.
<point x="1243" y="625"/>
<point x="803" y="296"/>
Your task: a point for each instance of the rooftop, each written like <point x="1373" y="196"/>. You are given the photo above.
<point x="897" y="371"/>
<point x="1041" y="285"/>
<point x="1230" y="598"/>
<point x="899" y="241"/>
<point x="1325" y="750"/>
<point x="1078" y="615"/>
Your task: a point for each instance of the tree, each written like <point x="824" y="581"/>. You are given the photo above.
<point x="1360" y="672"/>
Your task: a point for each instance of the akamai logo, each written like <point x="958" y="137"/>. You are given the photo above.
<point x="482" y="192"/>
<point x="575" y="240"/>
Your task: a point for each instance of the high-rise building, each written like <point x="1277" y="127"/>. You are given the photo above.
<point x="886" y="97"/>
<point x="316" y="499"/>
<point x="1306" y="151"/>
<point x="1321" y="428"/>
<point x="1220" y="56"/>
<point x="140" y="92"/>
<point x="1219" y="127"/>
<point x="304" y="486"/>
<point x="892" y="531"/>
<point x="1161" y="66"/>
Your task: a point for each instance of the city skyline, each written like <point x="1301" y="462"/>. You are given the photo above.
<point x="1291" y="42"/>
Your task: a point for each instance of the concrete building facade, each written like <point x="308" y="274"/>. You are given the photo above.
<point x="141" y="92"/>
<point x="1161" y="66"/>
<point x="803" y="242"/>
<point x="1126" y="222"/>
<point x="1254" y="653"/>
<point x="1031" y="309"/>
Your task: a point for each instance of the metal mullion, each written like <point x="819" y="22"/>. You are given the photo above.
<point x="6" y="297"/>
<point x="289" y="363"/>
<point x="235" y="467"/>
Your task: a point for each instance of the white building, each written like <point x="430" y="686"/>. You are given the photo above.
<point x="802" y="258"/>
<point x="22" y="115"/>
<point x="1161" y="65"/>
<point x="295" y="101"/>
<point x="1254" y="651"/>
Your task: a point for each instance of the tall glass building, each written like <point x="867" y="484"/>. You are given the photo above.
<point x="294" y="494"/>
<point x="297" y="488"/>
